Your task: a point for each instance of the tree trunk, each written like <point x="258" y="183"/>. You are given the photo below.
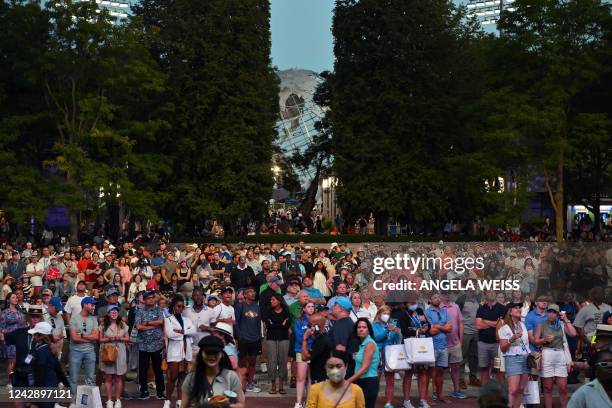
<point x="74" y="226"/>
<point x="311" y="194"/>
<point x="381" y="221"/>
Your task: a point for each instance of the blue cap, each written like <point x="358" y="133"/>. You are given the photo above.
<point x="57" y="302"/>
<point x="111" y="308"/>
<point x="88" y="299"/>
<point x="344" y="303"/>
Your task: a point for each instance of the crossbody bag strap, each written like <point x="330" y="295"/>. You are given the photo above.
<point x="342" y="395"/>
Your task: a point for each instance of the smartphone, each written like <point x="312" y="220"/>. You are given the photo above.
<point x="394" y="322"/>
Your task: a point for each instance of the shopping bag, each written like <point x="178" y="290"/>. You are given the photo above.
<point x="88" y="396"/>
<point x="420" y="350"/>
<point x="532" y="393"/>
<point x="396" y="358"/>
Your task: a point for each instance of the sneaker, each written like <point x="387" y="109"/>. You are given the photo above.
<point x="298" y="405"/>
<point x="388" y="405"/>
<point x="161" y="396"/>
<point x="424" y="404"/>
<point x="434" y="396"/>
<point x="408" y="404"/>
<point x="151" y="385"/>
<point x="178" y="404"/>
<point x="118" y="404"/>
<point x="110" y="404"/>
<point x="166" y="404"/>
<point x="144" y="395"/>
<point x="253" y="388"/>
<point x="264" y="368"/>
<point x="458" y="394"/>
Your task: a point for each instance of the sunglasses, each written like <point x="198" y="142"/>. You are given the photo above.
<point x="604" y="364"/>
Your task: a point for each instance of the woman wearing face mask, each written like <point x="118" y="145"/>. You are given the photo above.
<point x="366" y="361"/>
<point x="556" y="357"/>
<point x="386" y="333"/>
<point x="335" y="392"/>
<point x="413" y="323"/>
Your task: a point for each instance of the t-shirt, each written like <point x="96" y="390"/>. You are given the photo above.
<point x="226" y="380"/>
<point x="485" y="312"/>
<point x="200" y="318"/>
<point x="342" y="333"/>
<point x="83" y="326"/>
<point x="518" y="346"/>
<point x="455" y="317"/>
<point x="221" y="311"/>
<point x="589" y="317"/>
<point x="277" y="325"/>
<point x="590" y="395"/>
<point x="248" y="321"/>
<point x="320" y="351"/>
<point x="532" y="321"/>
<point x="469" y="316"/>
<point x="440" y="317"/>
<point x="73" y="305"/>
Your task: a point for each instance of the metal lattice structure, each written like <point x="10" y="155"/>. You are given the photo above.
<point x="298" y="113"/>
<point x="488" y="11"/>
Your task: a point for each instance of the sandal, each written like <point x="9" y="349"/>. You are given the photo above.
<point x="272" y="391"/>
<point x="282" y="391"/>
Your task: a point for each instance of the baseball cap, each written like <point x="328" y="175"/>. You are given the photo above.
<point x="211" y="343"/>
<point x="88" y="299"/>
<point x="344" y="303"/>
<point x="112" y="291"/>
<point x="148" y="293"/>
<point x="41" y="328"/>
<point x="275" y="279"/>
<point x="47" y="292"/>
<point x="227" y="289"/>
<point x="554" y="307"/>
<point x="212" y="297"/>
<point x="111" y="308"/>
<point x="57" y="302"/>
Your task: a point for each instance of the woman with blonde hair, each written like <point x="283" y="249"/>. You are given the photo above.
<point x="513" y="342"/>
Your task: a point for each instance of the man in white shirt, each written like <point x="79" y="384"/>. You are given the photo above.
<point x="224" y="311"/>
<point x="199" y="314"/>
<point x="73" y="305"/>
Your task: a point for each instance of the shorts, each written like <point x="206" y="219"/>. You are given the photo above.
<point x="441" y="357"/>
<point x="230" y="349"/>
<point x="486" y="353"/>
<point x="298" y="358"/>
<point x="455" y="355"/>
<point x="249" y="348"/>
<point x="553" y="363"/>
<point x="516" y="365"/>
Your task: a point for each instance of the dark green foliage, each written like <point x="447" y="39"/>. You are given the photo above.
<point x="222" y="103"/>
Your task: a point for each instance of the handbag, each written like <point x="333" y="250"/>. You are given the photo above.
<point x="108" y="353"/>
<point x="396" y="358"/>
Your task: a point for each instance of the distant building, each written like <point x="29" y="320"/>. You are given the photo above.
<point x="488" y="11"/>
<point x="119" y="10"/>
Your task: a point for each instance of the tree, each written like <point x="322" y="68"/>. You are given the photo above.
<point x="24" y="124"/>
<point x="222" y="104"/>
<point x="553" y="50"/>
<point x="97" y="78"/>
<point x="402" y="77"/>
<point x="318" y="155"/>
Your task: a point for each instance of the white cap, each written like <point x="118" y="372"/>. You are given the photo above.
<point x="41" y="328"/>
<point x="333" y="245"/>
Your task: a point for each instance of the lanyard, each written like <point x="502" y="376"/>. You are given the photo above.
<point x="29" y="343"/>
<point x="415" y="319"/>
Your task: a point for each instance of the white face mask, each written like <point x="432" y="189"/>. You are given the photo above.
<point x="385" y="318"/>
<point x="336" y="375"/>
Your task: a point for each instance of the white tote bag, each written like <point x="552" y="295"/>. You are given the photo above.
<point x="88" y="396"/>
<point x="396" y="358"/>
<point x="532" y="393"/>
<point x="420" y="350"/>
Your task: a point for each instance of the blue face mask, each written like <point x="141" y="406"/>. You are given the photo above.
<point x="412" y="308"/>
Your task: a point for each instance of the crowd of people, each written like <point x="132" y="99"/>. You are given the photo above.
<point x="196" y="322"/>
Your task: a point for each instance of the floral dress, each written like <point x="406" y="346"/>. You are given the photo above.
<point x="9" y="322"/>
